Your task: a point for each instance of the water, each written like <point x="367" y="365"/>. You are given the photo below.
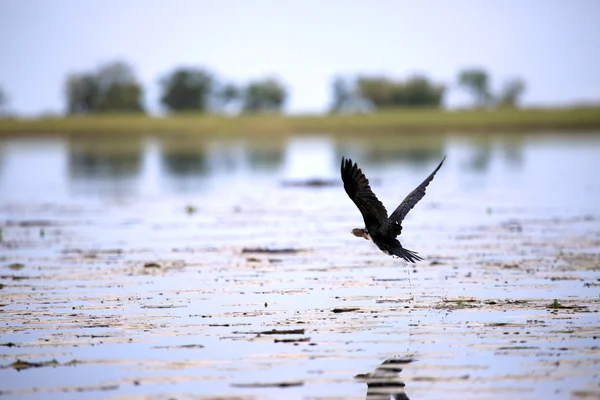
<point x="509" y="224"/>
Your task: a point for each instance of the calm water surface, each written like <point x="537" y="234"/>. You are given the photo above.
<point x="509" y="224"/>
<point x="553" y="170"/>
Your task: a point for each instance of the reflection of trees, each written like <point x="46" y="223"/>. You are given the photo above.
<point x="184" y="163"/>
<point x="1" y="158"/>
<point x="104" y="165"/>
<point x="265" y="156"/>
<point x="513" y="152"/>
<point x="386" y="149"/>
<point x="481" y="157"/>
<point x="415" y="156"/>
<point x="194" y="157"/>
<point x="384" y="382"/>
<point x="184" y="156"/>
<point x="511" y="147"/>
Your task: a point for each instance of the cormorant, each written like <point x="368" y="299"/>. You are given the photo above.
<point x="379" y="228"/>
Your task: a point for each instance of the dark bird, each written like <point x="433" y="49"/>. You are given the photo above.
<point x="379" y="228"/>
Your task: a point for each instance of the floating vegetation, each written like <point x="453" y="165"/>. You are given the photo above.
<point x="261" y="250"/>
<point x="285" y="384"/>
<point x="190" y="209"/>
<point x="275" y="332"/>
<point x="343" y="310"/>
<point x="21" y="365"/>
<point x="300" y="340"/>
<point x="183" y="346"/>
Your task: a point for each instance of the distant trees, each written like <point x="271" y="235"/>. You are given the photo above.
<point x="82" y="94"/>
<point x="228" y="94"/>
<point x="192" y="89"/>
<point x="187" y="89"/>
<point x="416" y="91"/>
<point x="267" y="94"/>
<point x="510" y="96"/>
<point x="384" y="92"/>
<point x="342" y="93"/>
<point x="3" y="101"/>
<point x="476" y="81"/>
<point x="113" y="87"/>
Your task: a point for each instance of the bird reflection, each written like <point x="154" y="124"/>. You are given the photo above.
<point x="384" y="383"/>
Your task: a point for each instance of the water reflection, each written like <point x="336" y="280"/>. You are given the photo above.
<point x="32" y="168"/>
<point x="184" y="161"/>
<point x="480" y="158"/>
<point x="417" y="151"/>
<point x="266" y="158"/>
<point x="384" y="383"/>
<point x="509" y="169"/>
<point x="310" y="158"/>
<point x="182" y="164"/>
<point x="513" y="154"/>
<point x="482" y="150"/>
<point x="105" y="166"/>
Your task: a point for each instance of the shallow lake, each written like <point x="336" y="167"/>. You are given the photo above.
<point x="191" y="268"/>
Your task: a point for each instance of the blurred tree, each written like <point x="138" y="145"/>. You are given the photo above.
<point x="511" y="93"/>
<point x="230" y="92"/>
<point x="417" y="91"/>
<point x="477" y="82"/>
<point x="3" y="101"/>
<point x="227" y="95"/>
<point x="264" y="95"/>
<point x="379" y="90"/>
<point x="113" y="87"/>
<point x="115" y="73"/>
<point x="122" y="97"/>
<point x="187" y="89"/>
<point x="83" y="93"/>
<point x="342" y="92"/>
<point x="119" y="89"/>
<point x="346" y="97"/>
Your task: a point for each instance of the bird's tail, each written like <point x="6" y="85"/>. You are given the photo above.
<point x="408" y="255"/>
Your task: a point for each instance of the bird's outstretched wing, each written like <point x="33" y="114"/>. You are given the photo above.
<point x="413" y="198"/>
<point x="357" y="186"/>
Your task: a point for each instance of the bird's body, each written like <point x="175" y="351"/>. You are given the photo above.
<point x="379" y="228"/>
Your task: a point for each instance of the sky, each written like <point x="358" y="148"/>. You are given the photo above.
<point x="553" y="45"/>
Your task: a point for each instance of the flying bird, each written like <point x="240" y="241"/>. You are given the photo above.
<point x="379" y="228"/>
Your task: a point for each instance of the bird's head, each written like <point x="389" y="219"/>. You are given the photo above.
<point x="362" y="233"/>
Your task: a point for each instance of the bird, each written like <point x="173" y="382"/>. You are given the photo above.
<point x="379" y="228"/>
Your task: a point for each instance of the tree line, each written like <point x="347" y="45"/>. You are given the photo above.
<point x="114" y="87"/>
<point x="377" y="92"/>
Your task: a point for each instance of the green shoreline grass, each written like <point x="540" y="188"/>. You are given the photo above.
<point x="397" y="121"/>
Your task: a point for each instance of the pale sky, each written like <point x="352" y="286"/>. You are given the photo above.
<point x="553" y="45"/>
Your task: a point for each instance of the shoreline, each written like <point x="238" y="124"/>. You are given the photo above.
<point x="389" y="121"/>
